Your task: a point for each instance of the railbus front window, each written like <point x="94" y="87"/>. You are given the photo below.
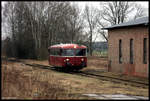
<point x="80" y="52"/>
<point x="68" y="52"/>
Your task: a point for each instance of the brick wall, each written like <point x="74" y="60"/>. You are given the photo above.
<point x="137" y="33"/>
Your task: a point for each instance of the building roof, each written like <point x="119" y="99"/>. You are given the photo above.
<point x="67" y="46"/>
<point x="139" y="21"/>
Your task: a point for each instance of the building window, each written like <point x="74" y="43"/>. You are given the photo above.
<point x="131" y="51"/>
<point x="120" y="51"/>
<point x="145" y="51"/>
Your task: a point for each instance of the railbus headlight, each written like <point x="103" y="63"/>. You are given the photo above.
<point x="66" y="60"/>
<point x="82" y="59"/>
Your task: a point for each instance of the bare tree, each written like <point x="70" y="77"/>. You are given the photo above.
<point x="76" y="23"/>
<point x="9" y="17"/>
<point x="101" y="24"/>
<point x="36" y="25"/>
<point x="115" y="13"/>
<point x="91" y="18"/>
<point x="139" y="11"/>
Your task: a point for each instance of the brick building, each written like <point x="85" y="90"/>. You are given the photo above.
<point x="128" y="47"/>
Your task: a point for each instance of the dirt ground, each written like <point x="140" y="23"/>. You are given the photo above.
<point x="42" y="83"/>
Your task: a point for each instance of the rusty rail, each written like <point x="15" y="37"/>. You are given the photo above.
<point x="113" y="79"/>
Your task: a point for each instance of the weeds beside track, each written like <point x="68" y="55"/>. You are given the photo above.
<point x="91" y="75"/>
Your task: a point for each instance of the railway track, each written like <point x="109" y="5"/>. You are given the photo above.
<point x="92" y="75"/>
<point x="97" y="76"/>
<point x="113" y="79"/>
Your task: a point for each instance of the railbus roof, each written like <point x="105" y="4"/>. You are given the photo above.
<point x="67" y="46"/>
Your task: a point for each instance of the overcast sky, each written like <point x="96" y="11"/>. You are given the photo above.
<point x="96" y="4"/>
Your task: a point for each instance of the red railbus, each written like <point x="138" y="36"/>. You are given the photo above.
<point x="69" y="56"/>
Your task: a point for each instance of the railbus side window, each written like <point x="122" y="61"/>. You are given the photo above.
<point x="57" y="51"/>
<point x="51" y="51"/>
<point x="61" y="52"/>
<point x="145" y="51"/>
<point x="54" y="51"/>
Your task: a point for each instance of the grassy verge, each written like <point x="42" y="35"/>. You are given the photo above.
<point x="25" y="83"/>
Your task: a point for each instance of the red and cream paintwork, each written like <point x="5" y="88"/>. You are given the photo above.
<point x="74" y="61"/>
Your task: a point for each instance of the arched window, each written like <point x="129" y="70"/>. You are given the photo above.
<point x="131" y="51"/>
<point x="120" y="51"/>
<point x="145" y="51"/>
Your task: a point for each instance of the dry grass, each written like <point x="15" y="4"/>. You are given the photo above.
<point x="22" y="82"/>
<point x="25" y="82"/>
<point x="96" y="64"/>
<point x="81" y="85"/>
